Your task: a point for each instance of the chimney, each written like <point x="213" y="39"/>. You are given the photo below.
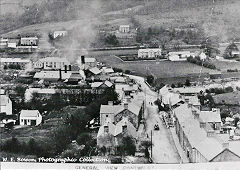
<point x="110" y="103"/>
<point x="195" y="114"/>
<point x="124" y="128"/>
<point x="125" y="105"/>
<point x="225" y="145"/>
<point x="106" y="129"/>
<point x="190" y="105"/>
<point x="202" y="124"/>
<point x="65" y="68"/>
<point x="82" y="59"/>
<point x="210" y="133"/>
<point x="60" y="74"/>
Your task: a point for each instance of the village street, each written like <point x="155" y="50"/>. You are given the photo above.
<point x="164" y="150"/>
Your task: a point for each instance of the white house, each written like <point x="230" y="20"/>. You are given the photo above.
<point x="52" y="63"/>
<point x="30" y="117"/>
<point x="5" y="105"/>
<point x="149" y="53"/>
<point x="3" y="42"/>
<point x="29" y="41"/>
<point x="124" y="28"/>
<point x="179" y="55"/>
<point x="200" y="54"/>
<point x="59" y="33"/>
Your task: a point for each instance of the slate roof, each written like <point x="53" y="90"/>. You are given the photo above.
<point x="210" y="116"/>
<point x="90" y="60"/>
<point x="131" y="130"/>
<point x="98" y="84"/>
<point x="54" y="59"/>
<point x="189" y="90"/>
<point x="133" y="107"/>
<point x="29" y="113"/>
<point x="209" y="147"/>
<point x="110" y="125"/>
<point x="54" y="75"/>
<point x="95" y="70"/>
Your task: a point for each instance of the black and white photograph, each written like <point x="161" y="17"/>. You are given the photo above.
<point x="120" y="84"/>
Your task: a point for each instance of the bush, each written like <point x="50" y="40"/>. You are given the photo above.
<point x="150" y="79"/>
<point x="200" y="62"/>
<point x="127" y="71"/>
<point x="232" y="70"/>
<point x="221" y="90"/>
<point x="117" y="70"/>
<point x="112" y="40"/>
<point x="187" y="82"/>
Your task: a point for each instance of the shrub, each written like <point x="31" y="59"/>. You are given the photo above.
<point x="200" y="62"/>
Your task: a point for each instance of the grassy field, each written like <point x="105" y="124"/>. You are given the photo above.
<point x="159" y="69"/>
<point x="16" y="6"/>
<point x="224" y="66"/>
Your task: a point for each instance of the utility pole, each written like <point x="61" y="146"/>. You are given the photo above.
<point x="151" y="144"/>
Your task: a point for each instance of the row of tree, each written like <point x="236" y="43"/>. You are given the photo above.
<point x="200" y="62"/>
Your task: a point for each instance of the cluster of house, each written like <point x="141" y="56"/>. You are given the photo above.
<point x="21" y="42"/>
<point x="202" y="134"/>
<point x="172" y="56"/>
<point x="121" y="120"/>
<point x="26" y="117"/>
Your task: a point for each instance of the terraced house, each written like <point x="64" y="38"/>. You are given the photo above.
<point x="200" y="139"/>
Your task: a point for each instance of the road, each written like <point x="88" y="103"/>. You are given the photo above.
<point x="164" y="150"/>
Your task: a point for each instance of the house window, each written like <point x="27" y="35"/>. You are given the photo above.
<point x="22" y="120"/>
<point x="124" y="128"/>
<point x="106" y="129"/>
<point x="106" y="115"/>
<point x="28" y="120"/>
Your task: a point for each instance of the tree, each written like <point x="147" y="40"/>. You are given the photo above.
<point x="77" y="122"/>
<point x="187" y="82"/>
<point x="236" y="120"/>
<point x="150" y="79"/>
<point x="228" y="51"/>
<point x="173" y="85"/>
<point x="112" y="40"/>
<point x="89" y="143"/>
<point x="127" y="71"/>
<point x="61" y="138"/>
<point x="128" y="146"/>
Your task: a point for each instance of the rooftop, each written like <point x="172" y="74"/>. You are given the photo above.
<point x="90" y="60"/>
<point x="29" y="113"/>
<point x="54" y="59"/>
<point x="209" y="147"/>
<point x="14" y="60"/>
<point x="131" y="130"/>
<point x="95" y="70"/>
<point x="54" y="75"/>
<point x="133" y="107"/>
<point x="192" y="90"/>
<point x="211" y="116"/>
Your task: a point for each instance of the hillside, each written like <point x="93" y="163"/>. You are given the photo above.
<point x="214" y="19"/>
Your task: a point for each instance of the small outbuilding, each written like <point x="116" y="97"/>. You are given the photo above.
<point x="30" y="117"/>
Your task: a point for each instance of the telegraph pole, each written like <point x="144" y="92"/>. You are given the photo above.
<point x="151" y="144"/>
